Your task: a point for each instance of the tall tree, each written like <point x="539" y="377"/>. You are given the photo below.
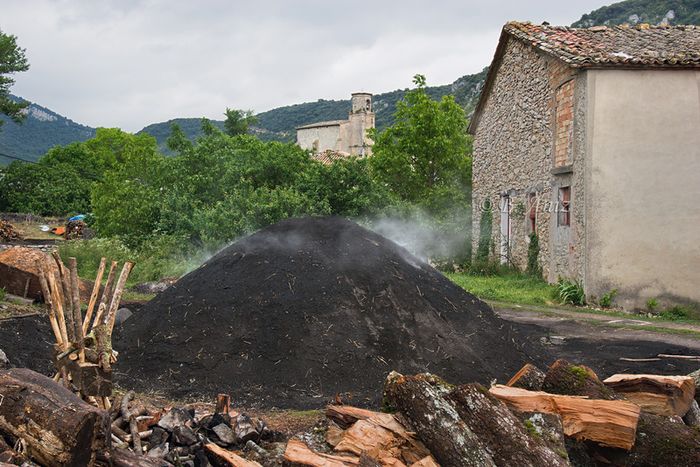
<point x="12" y="60"/>
<point x="427" y="148"/>
<point x="238" y="121"/>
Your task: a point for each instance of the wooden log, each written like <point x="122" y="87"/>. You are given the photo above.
<point x="436" y="421"/>
<point x="223" y="404"/>
<point x="608" y="422"/>
<point x="130" y="417"/>
<point x="661" y="442"/>
<point x="574" y="380"/>
<point x="696" y="377"/>
<point x="660" y="395"/>
<point x="345" y="415"/>
<point x="53" y="320"/>
<point x="56" y="426"/>
<point x="506" y="437"/>
<point x="298" y="452"/>
<point x="231" y="458"/>
<point x="106" y="295"/>
<point x="64" y="282"/>
<point x="117" y="296"/>
<point x="528" y="377"/>
<point x="58" y="303"/>
<point x="126" y="458"/>
<point x="75" y="300"/>
<point x="93" y="295"/>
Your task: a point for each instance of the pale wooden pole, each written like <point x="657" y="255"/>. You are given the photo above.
<point x="106" y="294"/>
<point x="93" y="296"/>
<point x="77" y="315"/>
<point x="116" y="298"/>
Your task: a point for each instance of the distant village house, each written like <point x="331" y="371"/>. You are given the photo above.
<point x="590" y="138"/>
<point x="342" y="137"/>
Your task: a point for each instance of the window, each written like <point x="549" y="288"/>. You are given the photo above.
<point x="564" y="206"/>
<point x="532" y="213"/>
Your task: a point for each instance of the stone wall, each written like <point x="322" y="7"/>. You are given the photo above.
<point x="514" y="157"/>
<point x="320" y="138"/>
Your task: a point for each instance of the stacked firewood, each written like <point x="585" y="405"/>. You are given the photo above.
<point x="363" y="437"/>
<point x="8" y="232"/>
<point x="564" y="416"/>
<point x="83" y="352"/>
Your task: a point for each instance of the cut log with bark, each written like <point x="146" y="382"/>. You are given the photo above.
<point x="230" y="458"/>
<point x="661" y="442"/>
<point x="298" y="452"/>
<point x="436" y="421"/>
<point x="574" y="380"/>
<point x="528" y="377"/>
<point x="126" y="458"/>
<point x="56" y="426"/>
<point x="608" y="422"/>
<point x="223" y="403"/>
<point x="507" y="437"/>
<point x="660" y="395"/>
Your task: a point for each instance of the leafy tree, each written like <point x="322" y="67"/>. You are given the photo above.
<point x="12" y="60"/>
<point x="426" y="148"/>
<point x="178" y="141"/>
<point x="238" y="121"/>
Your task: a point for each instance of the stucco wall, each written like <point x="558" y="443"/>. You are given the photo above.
<point x="514" y="155"/>
<point x="643" y="185"/>
<point x="327" y="136"/>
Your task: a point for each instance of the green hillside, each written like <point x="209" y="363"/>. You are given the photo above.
<point x="280" y="123"/>
<point x="41" y="130"/>
<point x="644" y="11"/>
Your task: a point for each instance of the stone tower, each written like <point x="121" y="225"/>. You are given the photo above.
<point x="361" y="119"/>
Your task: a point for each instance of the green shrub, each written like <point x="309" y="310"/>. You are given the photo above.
<point x="485" y="232"/>
<point x="680" y="313"/>
<point x="652" y="304"/>
<point x="607" y="299"/>
<point x="2" y="294"/>
<point x="571" y="292"/>
<point x="533" y="253"/>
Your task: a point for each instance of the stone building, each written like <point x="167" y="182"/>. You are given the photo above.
<point x="591" y="139"/>
<point x="347" y="137"/>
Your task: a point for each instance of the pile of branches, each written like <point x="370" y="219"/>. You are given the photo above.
<point x="8" y="233"/>
<point x="565" y="416"/>
<point x="83" y="352"/>
<point x="76" y="230"/>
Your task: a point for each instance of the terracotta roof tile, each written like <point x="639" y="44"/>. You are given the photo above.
<point x="641" y="45"/>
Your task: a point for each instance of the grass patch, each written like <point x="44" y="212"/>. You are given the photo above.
<point x="162" y="257"/>
<point x="512" y="288"/>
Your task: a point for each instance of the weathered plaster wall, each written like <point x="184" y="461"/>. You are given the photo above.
<point x="328" y="137"/>
<point x="643" y="185"/>
<point x="514" y="155"/>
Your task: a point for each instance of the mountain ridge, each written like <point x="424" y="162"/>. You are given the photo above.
<point x="44" y="128"/>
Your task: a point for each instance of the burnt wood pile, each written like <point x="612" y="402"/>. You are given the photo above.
<point x="43" y="422"/>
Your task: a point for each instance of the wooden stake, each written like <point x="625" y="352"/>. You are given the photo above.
<point x="67" y="296"/>
<point x="117" y="296"/>
<point x="57" y="301"/>
<point x="47" y="300"/>
<point x="93" y="295"/>
<point x="77" y="316"/>
<point x="106" y="294"/>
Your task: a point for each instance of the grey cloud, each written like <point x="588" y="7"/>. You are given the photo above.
<point x="131" y="63"/>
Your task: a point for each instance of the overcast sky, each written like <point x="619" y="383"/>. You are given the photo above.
<point x="129" y="63"/>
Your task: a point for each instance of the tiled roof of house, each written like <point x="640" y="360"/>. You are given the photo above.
<point x="321" y="124"/>
<point x="329" y="156"/>
<point x="640" y="45"/>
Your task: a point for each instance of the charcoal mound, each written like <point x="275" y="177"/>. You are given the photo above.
<point x="306" y="309"/>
